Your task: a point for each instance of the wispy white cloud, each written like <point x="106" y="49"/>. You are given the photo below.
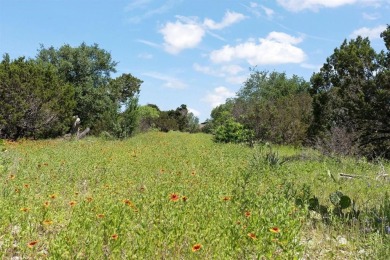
<point x="372" y="33"/>
<point x="168" y="81"/>
<point x="228" y="19"/>
<point x="207" y="70"/>
<point x="137" y="4"/>
<point x="231" y="73"/>
<point x="218" y="96"/>
<point x="259" y="10"/>
<point x="299" y="5"/>
<point x="268" y="11"/>
<point x="149" y="43"/>
<point x="140" y="5"/>
<point x="372" y="16"/>
<point x="276" y="48"/>
<point x="232" y="69"/>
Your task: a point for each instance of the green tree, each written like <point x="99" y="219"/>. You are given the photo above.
<point x="193" y="123"/>
<point x="35" y="102"/>
<point x="99" y="98"/>
<point x="166" y="121"/>
<point x="275" y="107"/>
<point x="352" y="92"/>
<point x="147" y="117"/>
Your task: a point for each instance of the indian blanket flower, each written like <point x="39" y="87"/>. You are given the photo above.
<point x="89" y="199"/>
<point x="11" y="177"/>
<point x="226" y="198"/>
<point x="128" y="203"/>
<point x="114" y="236"/>
<point x="26" y="186"/>
<point x="100" y="215"/>
<point x="72" y="203"/>
<point x="32" y="243"/>
<point x="184" y="198"/>
<point x="174" y="197"/>
<point x="196" y="247"/>
<point x="53" y="196"/>
<point x="46" y="204"/>
<point x="247" y="214"/>
<point x="24" y="209"/>
<point x="274" y="230"/>
<point x="252" y="236"/>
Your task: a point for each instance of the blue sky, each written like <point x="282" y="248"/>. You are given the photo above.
<point x="194" y="52"/>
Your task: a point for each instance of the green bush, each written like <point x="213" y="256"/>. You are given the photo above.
<point x="232" y="132"/>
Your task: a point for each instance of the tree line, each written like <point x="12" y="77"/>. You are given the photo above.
<point x="42" y="97"/>
<point x="343" y="109"/>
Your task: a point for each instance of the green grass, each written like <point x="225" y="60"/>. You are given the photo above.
<point x="95" y="199"/>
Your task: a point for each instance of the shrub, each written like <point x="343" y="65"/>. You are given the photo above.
<point x="232" y="132"/>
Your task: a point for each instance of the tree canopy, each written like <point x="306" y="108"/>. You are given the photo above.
<point x="35" y="102"/>
<point x="352" y="92"/>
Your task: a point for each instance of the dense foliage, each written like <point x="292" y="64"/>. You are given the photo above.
<point x="35" y="102"/>
<point x="352" y="92"/>
<point x="345" y="109"/>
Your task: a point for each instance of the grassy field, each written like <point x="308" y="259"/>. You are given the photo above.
<point x="181" y="196"/>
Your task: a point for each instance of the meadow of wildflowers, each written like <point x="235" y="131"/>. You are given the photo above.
<point x="174" y="196"/>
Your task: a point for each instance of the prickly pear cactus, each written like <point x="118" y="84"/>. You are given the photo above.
<point x="340" y="200"/>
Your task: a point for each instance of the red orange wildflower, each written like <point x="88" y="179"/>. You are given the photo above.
<point x="252" y="236"/>
<point x="247" y="214"/>
<point x="174" y="197"/>
<point x="196" y="247"/>
<point x="72" y="203"/>
<point x="114" y="237"/>
<point x="274" y="230"/>
<point x="32" y="244"/>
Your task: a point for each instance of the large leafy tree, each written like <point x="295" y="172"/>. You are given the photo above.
<point x="35" y="102"/>
<point x="99" y="98"/>
<point x="352" y="92"/>
<point x="276" y="107"/>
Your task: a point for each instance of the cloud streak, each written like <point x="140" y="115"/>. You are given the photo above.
<point x="314" y="5"/>
<point x="168" y="81"/>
